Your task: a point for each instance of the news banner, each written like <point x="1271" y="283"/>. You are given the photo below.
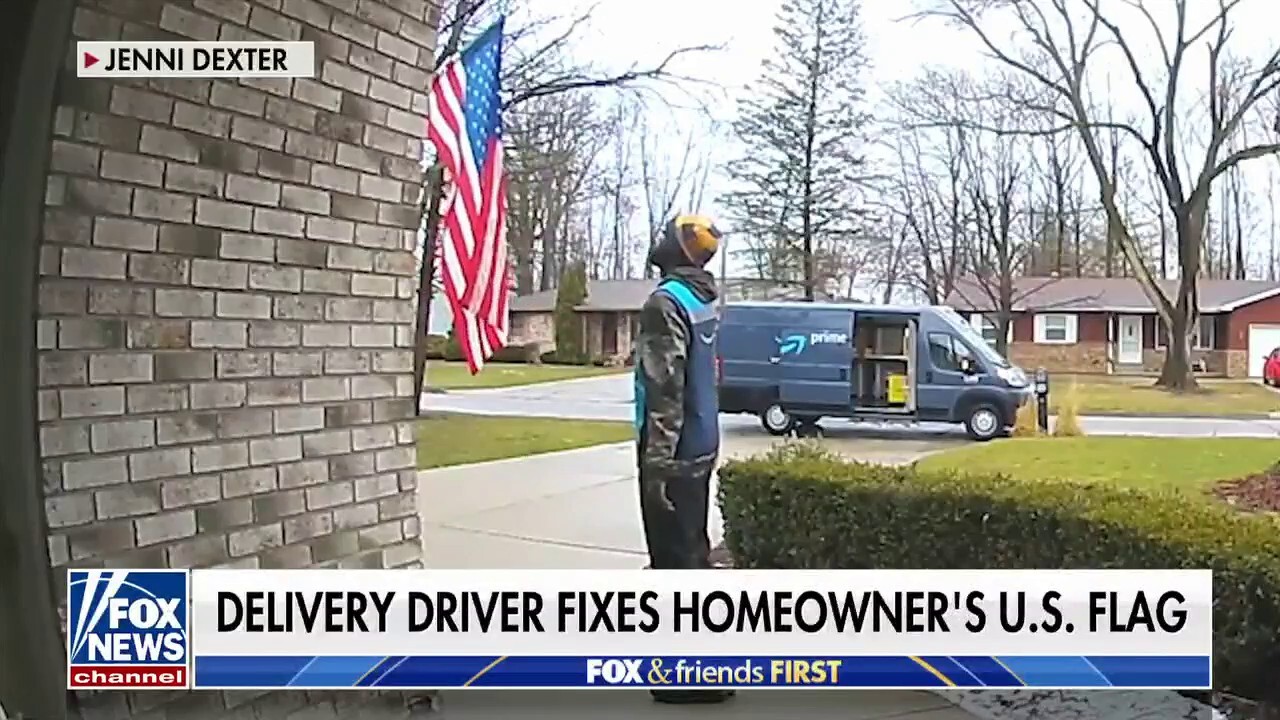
<point x="436" y="629"/>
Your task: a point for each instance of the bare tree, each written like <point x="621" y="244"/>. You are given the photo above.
<point x="996" y="250"/>
<point x="535" y="66"/>
<point x="927" y="194"/>
<point x="553" y="148"/>
<point x="928" y="188"/>
<point x="1064" y="40"/>
<point x="663" y="183"/>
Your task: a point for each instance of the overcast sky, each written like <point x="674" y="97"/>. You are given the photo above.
<point x="624" y="33"/>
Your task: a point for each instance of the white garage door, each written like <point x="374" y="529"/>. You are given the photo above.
<point x="1262" y="340"/>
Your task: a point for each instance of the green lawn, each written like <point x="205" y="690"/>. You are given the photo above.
<point x="455" y="376"/>
<point x="1139" y="396"/>
<point x="445" y="440"/>
<point x="1156" y="463"/>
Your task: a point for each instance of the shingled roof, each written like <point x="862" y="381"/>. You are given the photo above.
<point x="1106" y="294"/>
<point x="602" y="295"/>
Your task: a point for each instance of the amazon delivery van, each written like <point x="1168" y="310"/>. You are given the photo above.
<point x="793" y="363"/>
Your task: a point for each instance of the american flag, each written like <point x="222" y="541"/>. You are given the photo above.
<point x="465" y="126"/>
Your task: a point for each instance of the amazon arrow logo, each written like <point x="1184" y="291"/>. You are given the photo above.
<point x="792" y="344"/>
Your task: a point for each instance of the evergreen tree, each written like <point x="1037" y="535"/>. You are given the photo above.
<point x="571" y="344"/>
<point x="795" y="189"/>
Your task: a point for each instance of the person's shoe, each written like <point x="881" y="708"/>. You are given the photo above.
<point x="691" y="697"/>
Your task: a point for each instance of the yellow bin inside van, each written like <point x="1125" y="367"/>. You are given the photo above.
<point x="897" y="392"/>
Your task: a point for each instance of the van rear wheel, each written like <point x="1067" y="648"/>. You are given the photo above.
<point x="776" y="420"/>
<point x="984" y="423"/>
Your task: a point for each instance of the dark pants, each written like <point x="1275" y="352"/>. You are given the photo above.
<point x="675" y="522"/>
<point x="675" y="529"/>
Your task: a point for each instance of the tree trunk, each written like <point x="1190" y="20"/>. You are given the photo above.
<point x="1176" y="373"/>
<point x="1239" y="221"/>
<point x="1003" y="321"/>
<point x="1271" y="234"/>
<point x="1164" y="246"/>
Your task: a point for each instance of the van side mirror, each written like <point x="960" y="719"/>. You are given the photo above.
<point x="966" y="365"/>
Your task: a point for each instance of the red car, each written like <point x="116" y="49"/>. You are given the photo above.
<point x="1271" y="370"/>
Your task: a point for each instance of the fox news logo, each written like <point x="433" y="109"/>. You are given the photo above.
<point x="614" y="671"/>
<point x="126" y="629"/>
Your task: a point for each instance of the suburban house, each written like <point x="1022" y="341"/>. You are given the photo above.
<point x="610" y="314"/>
<point x="1107" y="325"/>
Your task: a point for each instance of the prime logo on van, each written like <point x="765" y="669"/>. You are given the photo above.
<point x="795" y="344"/>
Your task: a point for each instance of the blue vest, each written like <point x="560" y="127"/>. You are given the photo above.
<point x="700" y="434"/>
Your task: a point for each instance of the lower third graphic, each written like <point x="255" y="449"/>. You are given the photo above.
<point x="127" y="629"/>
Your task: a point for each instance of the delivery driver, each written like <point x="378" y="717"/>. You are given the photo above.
<point x="677" y="407"/>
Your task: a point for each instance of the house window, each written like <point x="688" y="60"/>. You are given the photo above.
<point x="1203" y="334"/>
<point x="986" y="327"/>
<point x="1056" y="329"/>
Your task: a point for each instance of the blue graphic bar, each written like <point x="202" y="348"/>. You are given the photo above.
<point x="226" y="672"/>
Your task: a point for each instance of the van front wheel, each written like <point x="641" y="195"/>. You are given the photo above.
<point x="984" y="423"/>
<point x="776" y="420"/>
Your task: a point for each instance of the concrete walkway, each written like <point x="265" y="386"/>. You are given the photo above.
<point x="579" y="509"/>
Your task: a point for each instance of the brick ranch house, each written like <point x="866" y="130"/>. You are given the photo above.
<point x="610" y="314"/>
<point x="1107" y="325"/>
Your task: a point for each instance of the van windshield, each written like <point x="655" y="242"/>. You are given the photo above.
<point x="973" y="338"/>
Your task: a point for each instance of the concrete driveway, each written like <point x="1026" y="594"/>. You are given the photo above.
<point x="579" y="509"/>
<point x="609" y="398"/>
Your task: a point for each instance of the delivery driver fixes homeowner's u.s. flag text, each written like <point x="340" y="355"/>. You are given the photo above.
<point x="418" y="629"/>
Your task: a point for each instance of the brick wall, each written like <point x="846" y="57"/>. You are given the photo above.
<point x="226" y="300"/>
<point x="533" y="327"/>
<point x="1082" y="357"/>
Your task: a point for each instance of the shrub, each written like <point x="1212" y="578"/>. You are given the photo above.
<point x="798" y="507"/>
<point x="571" y="343"/>
<point x="1025" y="421"/>
<point x="526" y="353"/>
<point x="435" y="346"/>
<point x="453" y="348"/>
<point x="1067" y="423"/>
<point x="553" y="357"/>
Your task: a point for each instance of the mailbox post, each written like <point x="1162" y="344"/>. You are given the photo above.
<point x="1042" y="399"/>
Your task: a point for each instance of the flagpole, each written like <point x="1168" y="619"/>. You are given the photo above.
<point x="429" y="210"/>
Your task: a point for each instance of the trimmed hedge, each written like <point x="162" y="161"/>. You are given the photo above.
<point x="798" y="507"/>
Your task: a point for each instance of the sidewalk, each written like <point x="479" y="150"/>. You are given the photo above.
<point x="579" y="509"/>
